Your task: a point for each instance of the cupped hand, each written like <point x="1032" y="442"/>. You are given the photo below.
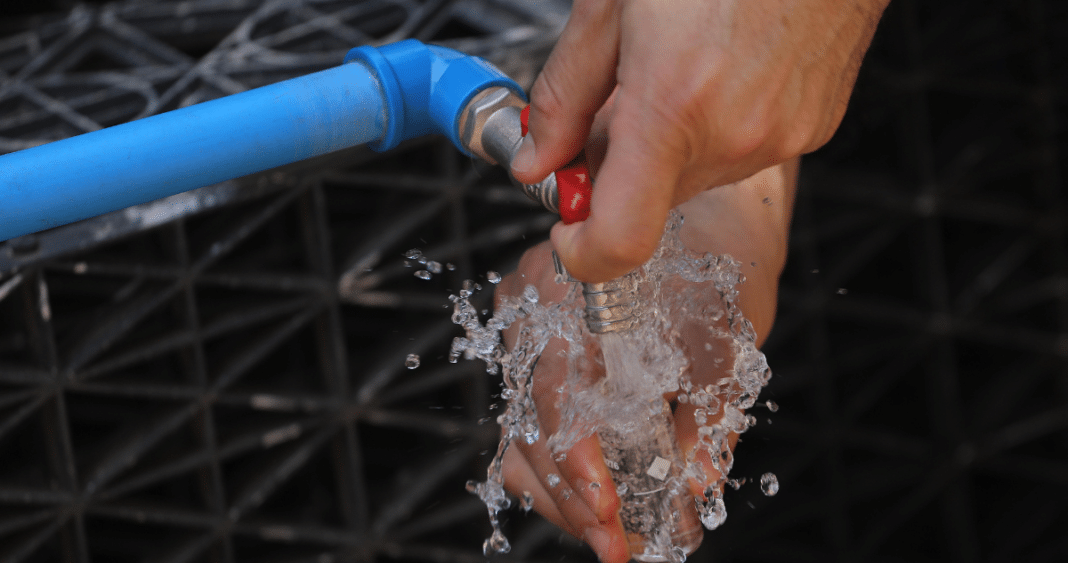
<point x="706" y="92"/>
<point x="736" y="220"/>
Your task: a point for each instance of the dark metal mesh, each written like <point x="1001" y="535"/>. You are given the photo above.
<point x="221" y="377"/>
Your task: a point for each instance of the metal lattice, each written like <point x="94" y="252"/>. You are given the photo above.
<point x="919" y="349"/>
<point x="220" y="376"/>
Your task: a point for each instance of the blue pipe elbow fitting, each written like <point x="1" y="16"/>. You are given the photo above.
<point x="427" y="88"/>
<point x="391" y="94"/>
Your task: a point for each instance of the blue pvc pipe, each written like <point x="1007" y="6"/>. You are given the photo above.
<point x="381" y="96"/>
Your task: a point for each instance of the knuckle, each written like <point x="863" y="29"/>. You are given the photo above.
<point x="796" y="142"/>
<point x="546" y="95"/>
<point x="747" y="136"/>
<point x="587" y="12"/>
<point x="624" y="253"/>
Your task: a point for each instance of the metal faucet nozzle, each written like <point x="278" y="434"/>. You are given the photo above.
<point x="611" y="306"/>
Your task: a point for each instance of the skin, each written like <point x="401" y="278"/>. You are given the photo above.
<point x="670" y="99"/>
<point x="732" y="220"/>
<point x="706" y="93"/>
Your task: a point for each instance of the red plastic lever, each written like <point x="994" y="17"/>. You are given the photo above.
<point x="574" y="185"/>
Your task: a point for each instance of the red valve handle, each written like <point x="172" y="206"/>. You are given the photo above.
<point x="574" y="186"/>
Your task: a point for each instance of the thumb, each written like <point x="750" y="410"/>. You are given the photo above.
<point x="577" y="79"/>
<point x="632" y="196"/>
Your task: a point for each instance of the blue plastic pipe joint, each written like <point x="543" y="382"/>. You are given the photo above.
<point x="427" y="88"/>
<point x="380" y="96"/>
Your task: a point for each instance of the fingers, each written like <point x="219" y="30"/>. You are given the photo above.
<point x="520" y="479"/>
<point x="633" y="193"/>
<point x="532" y="468"/>
<point x="576" y="80"/>
<point x="584" y="468"/>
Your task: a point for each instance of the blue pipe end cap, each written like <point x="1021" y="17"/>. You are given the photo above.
<point x="426" y="88"/>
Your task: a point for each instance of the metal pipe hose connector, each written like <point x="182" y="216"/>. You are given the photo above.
<point x="611" y="306"/>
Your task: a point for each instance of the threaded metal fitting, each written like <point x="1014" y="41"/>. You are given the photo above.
<point x="490" y="128"/>
<point x="611" y="306"/>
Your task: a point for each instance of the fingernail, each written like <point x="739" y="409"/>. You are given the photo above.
<point x="591" y="494"/>
<point x="598" y="540"/>
<point x="525" y="157"/>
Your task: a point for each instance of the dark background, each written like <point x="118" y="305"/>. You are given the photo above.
<point x="207" y="390"/>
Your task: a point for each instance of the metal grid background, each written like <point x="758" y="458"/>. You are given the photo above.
<point x="220" y="377"/>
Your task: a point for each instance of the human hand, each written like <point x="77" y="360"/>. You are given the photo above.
<point x="734" y="220"/>
<point x="705" y="92"/>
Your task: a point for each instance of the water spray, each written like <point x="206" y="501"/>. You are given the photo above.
<point x="647" y="467"/>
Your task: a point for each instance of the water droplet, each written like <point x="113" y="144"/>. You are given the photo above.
<point x="750" y="420"/>
<point x="736" y="483"/>
<point x="842" y="291"/>
<point x="422" y="274"/>
<point x="708" y="346"/>
<point x="553" y="479"/>
<point x="412" y="361"/>
<point x="772" y="406"/>
<point x="683" y="398"/>
<point x="566" y="494"/>
<point x="700" y="417"/>
<point x="450" y="266"/>
<point x="413" y="254"/>
<point x="496" y="543"/>
<point x="595" y="486"/>
<point x="677" y="555"/>
<point x="433" y="267"/>
<point x="621" y="489"/>
<point x="526" y="502"/>
<point x="472" y="486"/>
<point x="769" y="484"/>
<point x="713" y="513"/>
<point x="493" y="277"/>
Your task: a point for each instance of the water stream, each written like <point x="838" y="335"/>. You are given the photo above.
<point x="691" y="344"/>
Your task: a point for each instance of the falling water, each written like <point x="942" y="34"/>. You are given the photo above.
<point x="681" y="294"/>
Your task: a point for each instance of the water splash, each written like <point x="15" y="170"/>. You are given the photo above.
<point x="412" y="361"/>
<point x="769" y="484"/>
<point x="680" y="292"/>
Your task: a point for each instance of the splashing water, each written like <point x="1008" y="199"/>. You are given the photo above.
<point x="769" y="484"/>
<point x="412" y="361"/>
<point x="680" y="293"/>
